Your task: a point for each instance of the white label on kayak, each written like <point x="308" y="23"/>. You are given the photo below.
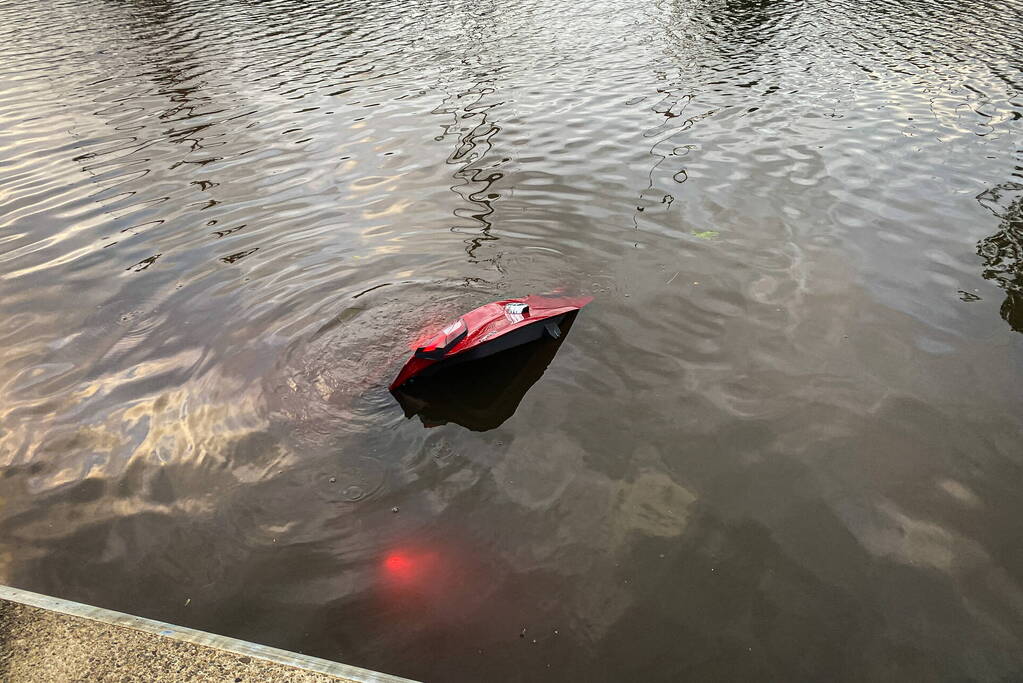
<point x="452" y="328"/>
<point x="514" y="311"/>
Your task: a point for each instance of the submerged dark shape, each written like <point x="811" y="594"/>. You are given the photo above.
<point x="480" y="395"/>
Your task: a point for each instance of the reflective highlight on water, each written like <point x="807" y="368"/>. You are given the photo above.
<point x="782" y="443"/>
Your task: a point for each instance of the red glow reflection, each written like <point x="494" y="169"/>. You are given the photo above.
<point x="399" y="565"/>
<point x="409" y="567"/>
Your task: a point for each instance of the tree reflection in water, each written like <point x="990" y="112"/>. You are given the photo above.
<point x="1003" y="251"/>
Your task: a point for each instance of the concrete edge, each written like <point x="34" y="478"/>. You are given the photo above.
<point x="233" y="645"/>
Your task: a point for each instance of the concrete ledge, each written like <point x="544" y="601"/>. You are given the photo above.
<point x="48" y="639"/>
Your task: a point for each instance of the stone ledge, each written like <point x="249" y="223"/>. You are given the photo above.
<point x="44" y="639"/>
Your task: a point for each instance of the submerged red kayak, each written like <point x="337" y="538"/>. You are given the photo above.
<point x="488" y="330"/>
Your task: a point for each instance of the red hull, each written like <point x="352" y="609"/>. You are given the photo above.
<point x="493" y="324"/>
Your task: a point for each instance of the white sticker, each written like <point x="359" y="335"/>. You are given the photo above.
<point x="515" y="311"/>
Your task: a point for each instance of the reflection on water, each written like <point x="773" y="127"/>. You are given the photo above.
<point x="1003" y="251"/>
<point x="783" y="442"/>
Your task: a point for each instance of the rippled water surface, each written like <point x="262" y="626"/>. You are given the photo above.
<point x="783" y="443"/>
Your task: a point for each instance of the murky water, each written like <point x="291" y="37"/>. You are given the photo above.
<point x="783" y="443"/>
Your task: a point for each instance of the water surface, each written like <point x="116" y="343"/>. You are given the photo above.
<point x="783" y="443"/>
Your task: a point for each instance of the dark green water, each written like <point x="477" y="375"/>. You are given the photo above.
<point x="784" y="442"/>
